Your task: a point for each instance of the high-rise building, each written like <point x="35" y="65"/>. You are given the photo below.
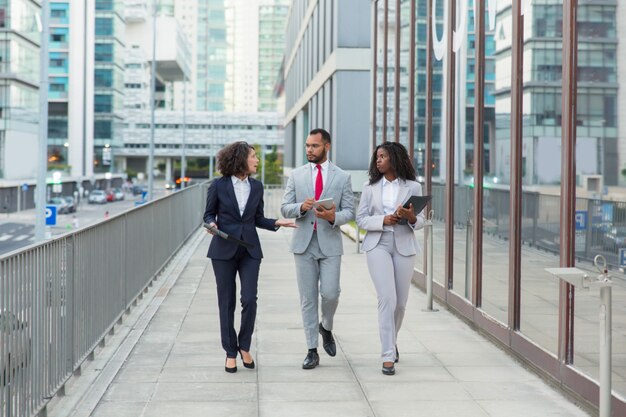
<point x="19" y="86"/>
<point x="621" y="104"/>
<point x="211" y="56"/>
<point x="239" y="51"/>
<point x="109" y="83"/>
<point x="71" y="87"/>
<point x="327" y="80"/>
<point x="596" y="120"/>
<point x="272" y="20"/>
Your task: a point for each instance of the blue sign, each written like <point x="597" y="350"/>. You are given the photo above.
<point x="581" y="220"/>
<point x="51" y="215"/>
<point x="622" y="257"/>
<point x="24" y="187"/>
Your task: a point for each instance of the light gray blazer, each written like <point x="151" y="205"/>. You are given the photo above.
<point x="370" y="217"/>
<point x="338" y="186"/>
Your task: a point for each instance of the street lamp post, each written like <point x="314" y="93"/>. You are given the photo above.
<point x="183" y="160"/>
<point x="152" y="103"/>
<point x="42" y="165"/>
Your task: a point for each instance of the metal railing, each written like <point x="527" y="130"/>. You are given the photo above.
<point x="600" y="225"/>
<point x="59" y="299"/>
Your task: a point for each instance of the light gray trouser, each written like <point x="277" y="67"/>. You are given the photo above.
<point x="391" y="274"/>
<point x="317" y="275"/>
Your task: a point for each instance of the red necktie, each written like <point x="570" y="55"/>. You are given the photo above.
<point x="319" y="186"/>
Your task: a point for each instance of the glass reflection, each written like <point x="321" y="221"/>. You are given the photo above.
<point x="497" y="143"/>
<point x="600" y="226"/>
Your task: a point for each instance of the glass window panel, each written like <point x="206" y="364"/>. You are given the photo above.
<point x="600" y="222"/>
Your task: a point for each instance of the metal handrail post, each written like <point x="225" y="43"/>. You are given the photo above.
<point x="428" y="237"/>
<point x="606" y="339"/>
<point x="468" y="255"/>
<point x="605" y="351"/>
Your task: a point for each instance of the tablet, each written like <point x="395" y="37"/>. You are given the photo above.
<point x="419" y="202"/>
<point x="327" y="203"/>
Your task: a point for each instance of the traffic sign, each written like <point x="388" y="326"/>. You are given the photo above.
<point x="581" y="220"/>
<point x="622" y="257"/>
<point x="24" y="187"/>
<point x="51" y="215"/>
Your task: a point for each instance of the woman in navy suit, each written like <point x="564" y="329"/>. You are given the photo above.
<point x="235" y="206"/>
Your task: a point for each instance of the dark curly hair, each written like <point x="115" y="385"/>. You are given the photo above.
<point x="233" y="159"/>
<point x="398" y="159"/>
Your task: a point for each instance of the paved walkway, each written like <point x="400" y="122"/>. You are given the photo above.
<point x="166" y="358"/>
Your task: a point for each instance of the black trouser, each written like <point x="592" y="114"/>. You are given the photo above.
<point x="225" y="277"/>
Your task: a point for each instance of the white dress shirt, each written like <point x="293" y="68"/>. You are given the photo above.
<point x="242" y="192"/>
<point x="390" y="195"/>
<point x="314" y="173"/>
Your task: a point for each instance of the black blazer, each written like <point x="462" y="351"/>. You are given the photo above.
<point x="223" y="210"/>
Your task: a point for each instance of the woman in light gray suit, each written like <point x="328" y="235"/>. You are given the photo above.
<point x="390" y="243"/>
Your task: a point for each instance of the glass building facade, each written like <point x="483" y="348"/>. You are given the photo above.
<point x="109" y="83"/>
<point x="513" y="128"/>
<point x="212" y="56"/>
<point x="19" y="82"/>
<point x="58" y="87"/>
<point x="272" y="19"/>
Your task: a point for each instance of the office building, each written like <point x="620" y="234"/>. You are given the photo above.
<point x="327" y="81"/>
<point x="19" y="89"/>
<point x="596" y="142"/>
<point x="109" y="56"/>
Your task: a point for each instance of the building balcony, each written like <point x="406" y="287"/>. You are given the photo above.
<point x="136" y="11"/>
<point x="173" y="55"/>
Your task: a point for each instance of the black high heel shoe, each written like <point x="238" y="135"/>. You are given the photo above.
<point x="230" y="370"/>
<point x="249" y="365"/>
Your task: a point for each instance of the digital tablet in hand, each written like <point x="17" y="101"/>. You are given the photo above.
<point x="327" y="203"/>
<point x="419" y="202"/>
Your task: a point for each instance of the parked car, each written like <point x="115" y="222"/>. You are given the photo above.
<point x="97" y="197"/>
<point x="614" y="238"/>
<point x="118" y="194"/>
<point x="71" y="204"/>
<point x="139" y="189"/>
<point x="110" y="196"/>
<point x="60" y="204"/>
<point x="16" y="358"/>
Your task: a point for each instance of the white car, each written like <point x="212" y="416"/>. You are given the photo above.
<point x="97" y="197"/>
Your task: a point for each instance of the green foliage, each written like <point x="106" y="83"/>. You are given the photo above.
<point x="131" y="173"/>
<point x="273" y="166"/>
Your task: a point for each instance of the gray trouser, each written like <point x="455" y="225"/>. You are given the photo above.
<point x="391" y="274"/>
<point x="317" y="275"/>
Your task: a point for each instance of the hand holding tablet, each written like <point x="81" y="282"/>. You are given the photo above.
<point x="326" y="203"/>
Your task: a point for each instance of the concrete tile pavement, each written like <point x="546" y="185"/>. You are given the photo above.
<point x="176" y="366"/>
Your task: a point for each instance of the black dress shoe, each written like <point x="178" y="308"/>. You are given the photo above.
<point x="230" y="370"/>
<point x="311" y="361"/>
<point x="389" y="370"/>
<point x="397" y="355"/>
<point x="249" y="365"/>
<point x="329" y="341"/>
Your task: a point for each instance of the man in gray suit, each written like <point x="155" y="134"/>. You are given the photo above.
<point x="317" y="244"/>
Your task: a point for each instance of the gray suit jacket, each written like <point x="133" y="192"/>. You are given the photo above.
<point x="300" y="187"/>
<point x="371" y="214"/>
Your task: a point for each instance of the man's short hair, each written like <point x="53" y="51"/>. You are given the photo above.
<point x="318" y="131"/>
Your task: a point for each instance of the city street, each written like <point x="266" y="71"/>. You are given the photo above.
<point x="17" y="229"/>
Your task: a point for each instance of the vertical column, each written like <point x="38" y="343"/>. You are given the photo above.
<point x="412" y="82"/>
<point x="515" y="218"/>
<point x="479" y="154"/>
<point x="428" y="129"/>
<point x="568" y="179"/>
<point x="374" y="70"/>
<point x="450" y="118"/>
<point x="385" y="67"/>
<point x="396" y="73"/>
